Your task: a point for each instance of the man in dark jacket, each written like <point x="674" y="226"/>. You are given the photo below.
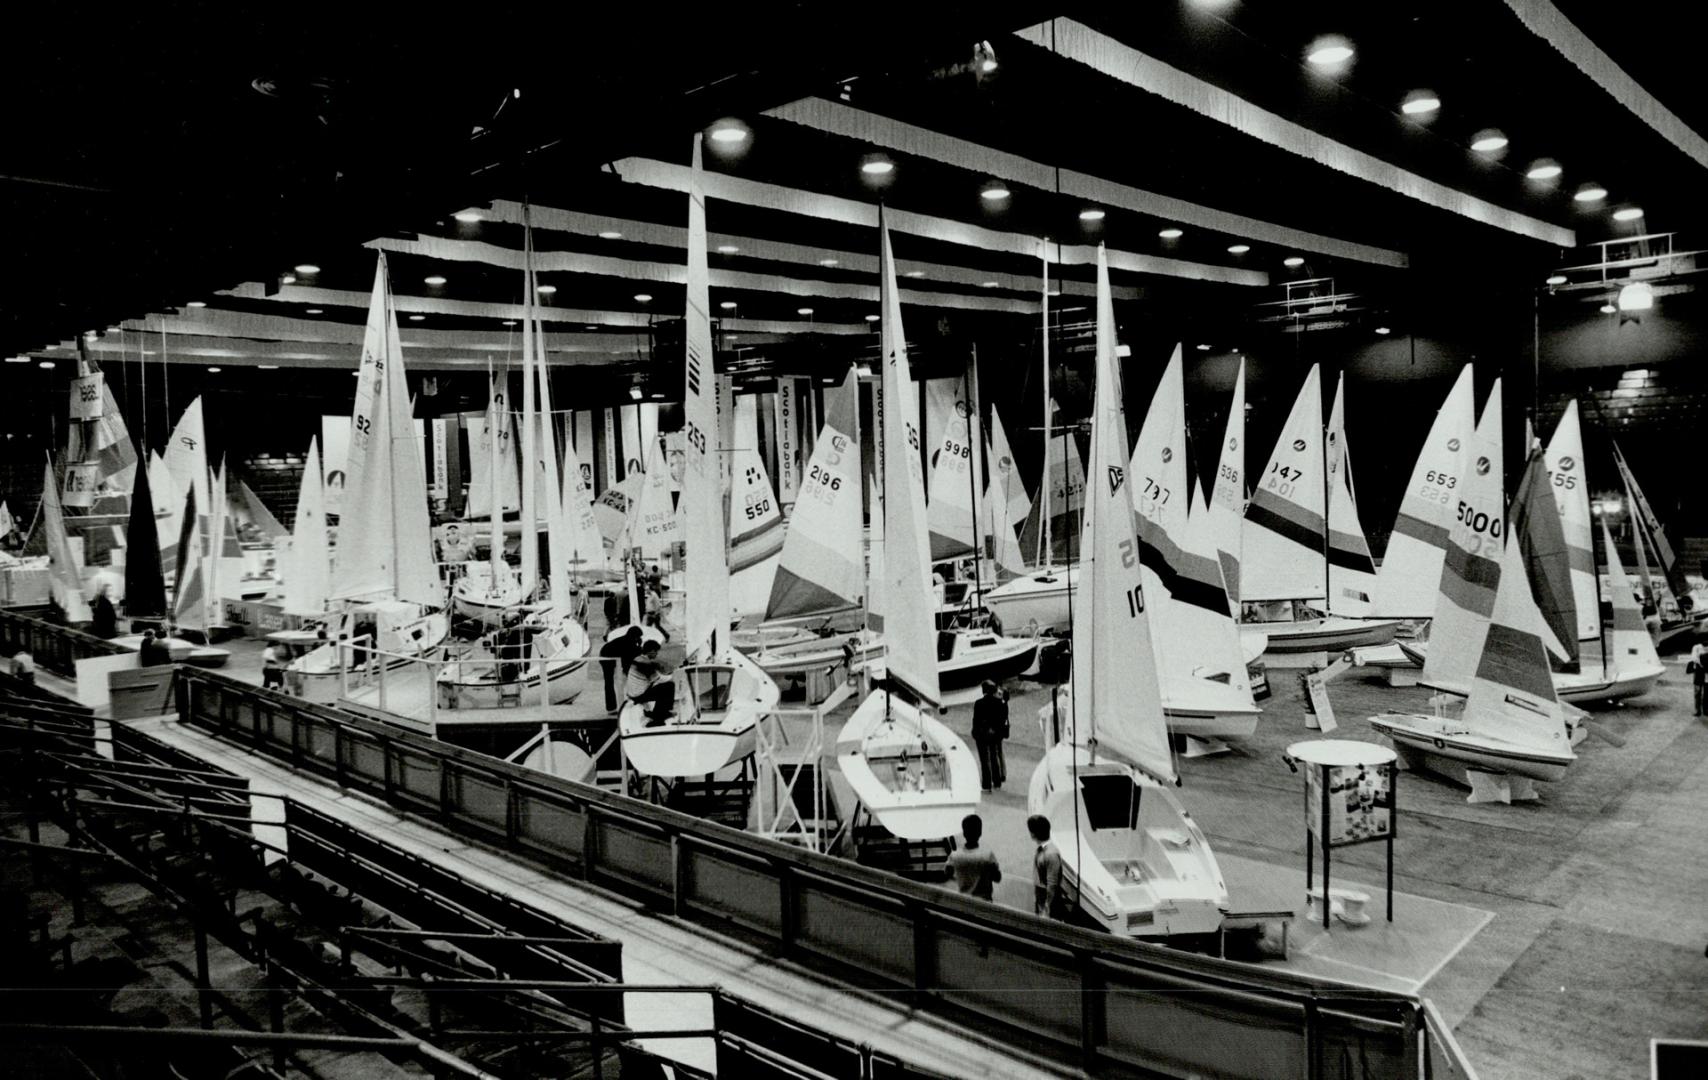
<point x="104" y="619"/>
<point x="620" y="650"/>
<point x="990" y="727"/>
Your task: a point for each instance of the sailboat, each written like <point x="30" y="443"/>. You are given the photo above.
<point x="556" y="646"/>
<point x="1302" y="543"/>
<point x="66" y="569"/>
<point x="486" y="591"/>
<point x="756" y="529"/>
<point x="820" y="581"/>
<point x="1668" y="589"/>
<point x="721" y="694"/>
<point x="1511" y="722"/>
<point x="912" y="773"/>
<point x="1134" y="857"/>
<point x="384" y="575"/>
<point x="145" y="589"/>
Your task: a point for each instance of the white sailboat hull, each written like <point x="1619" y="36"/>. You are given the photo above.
<point x="181" y="651"/>
<point x="818" y="654"/>
<point x="479" y="596"/>
<point x="1573" y="686"/>
<point x="977" y="656"/>
<point x="1443" y="738"/>
<point x="1038" y="600"/>
<point x="1150" y="877"/>
<point x="698" y="739"/>
<point x="316" y="676"/>
<point x="469" y="691"/>
<point x="915" y="776"/>
<point x="1331" y="634"/>
<point x="1193" y="707"/>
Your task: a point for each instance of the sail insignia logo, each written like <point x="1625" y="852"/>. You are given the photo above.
<point x="1453" y="445"/>
<point x="1116" y="476"/>
<point x="1566" y="464"/>
<point x="1233" y="444"/>
<point x="1298" y="445"/>
<point x="1167" y="454"/>
<point x="1482" y="466"/>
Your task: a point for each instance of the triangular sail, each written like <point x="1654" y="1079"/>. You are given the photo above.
<point x="1629" y="646"/>
<point x="1570" y="480"/>
<point x="1351" y="571"/>
<point x="187" y="456"/>
<point x="1284" y="522"/>
<point x="1002" y="546"/>
<point x="756" y="524"/>
<point x="1643" y="516"/>
<point x="492" y="455"/>
<point x="1511" y="694"/>
<point x="907" y="622"/>
<point x="102" y="441"/>
<point x="258" y="514"/>
<point x="1227" y="499"/>
<point x="308" y="579"/>
<point x="65" y="569"/>
<point x="820" y="570"/>
<point x="190" y="590"/>
<point x="1115" y="680"/>
<point x="1003" y="470"/>
<point x="7" y="524"/>
<point x="1065" y="476"/>
<point x="384" y="535"/>
<point x="707" y="623"/>
<point x="1410" y="575"/>
<point x="586" y="546"/>
<point x="1536" y="526"/>
<point x="145" y="585"/>
<point x="1471" y="568"/>
<point x="950" y="512"/>
<point x="168" y="511"/>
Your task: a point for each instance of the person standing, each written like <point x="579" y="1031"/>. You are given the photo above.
<point x="990" y="727"/>
<point x="975" y="868"/>
<point x="272" y="668"/>
<point x="1698" y="670"/>
<point x="1047" y="896"/>
<point x="104" y="618"/>
<point x="621" y="649"/>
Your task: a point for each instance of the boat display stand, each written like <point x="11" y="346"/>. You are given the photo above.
<point x="1289" y="661"/>
<point x="1346" y="905"/>
<point x="1486" y="786"/>
<point x="1401" y="677"/>
<point x="793" y="799"/>
<point x="1193" y="746"/>
<point x="877" y="847"/>
<point x="725" y="797"/>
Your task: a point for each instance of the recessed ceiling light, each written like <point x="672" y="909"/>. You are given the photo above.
<point x="1383" y="330"/>
<point x="877" y="166"/>
<point x="727" y="249"/>
<point x="268" y="367"/>
<point x="830" y="262"/>
<point x="987" y="284"/>
<point x="1488" y="140"/>
<point x="357" y="373"/>
<point x="803" y="311"/>
<point x="468" y="217"/>
<point x="1608" y="309"/>
<point x="315" y="311"/>
<point x="643" y="298"/>
<point x="17" y="359"/>
<point x="1092" y="214"/>
<point x="1557" y="279"/>
<point x="1170" y="234"/>
<point x="610" y="234"/>
<point x="1420" y="102"/>
<point x="728" y="305"/>
<point x="591" y="326"/>
<point x="91" y="335"/>
<point x="635" y="392"/>
<point x="871" y="318"/>
<point x="213" y="370"/>
<point x="509" y="322"/>
<point x="1590" y="193"/>
<point x="994" y="191"/>
<point x="197" y="303"/>
<point x="915" y="273"/>
<point x="1238" y="249"/>
<point x="545" y="290"/>
<point x="434" y="280"/>
<point x="287" y="279"/>
<point x="729" y="133"/>
<point x="307" y="269"/>
<point x="1544" y="169"/>
<point x="1293" y="260"/>
<point x="416" y="318"/>
<point x="1203" y="348"/>
<point x="46" y="365"/>
<point x="1330" y="51"/>
<point x="1628" y="213"/>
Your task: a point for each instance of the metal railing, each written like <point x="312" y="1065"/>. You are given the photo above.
<point x="1106" y="1005"/>
<point x="55" y="647"/>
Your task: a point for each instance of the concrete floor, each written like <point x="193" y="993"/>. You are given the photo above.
<point x="1556" y="937"/>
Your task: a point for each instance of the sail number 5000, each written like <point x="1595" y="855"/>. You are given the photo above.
<point x="1478" y="521"/>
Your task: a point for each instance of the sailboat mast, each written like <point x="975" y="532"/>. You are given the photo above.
<point x="1046" y="551"/>
<point x="1328" y="504"/>
<point x="970" y="391"/>
<point x="495" y="534"/>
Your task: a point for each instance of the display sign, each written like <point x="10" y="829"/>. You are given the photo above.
<point x="86" y="397"/>
<point x="1316" y="698"/>
<point x="1360" y="803"/>
<point x="81" y="483"/>
<point x="442" y="432"/>
<point x="611" y="450"/>
<point x="788" y="440"/>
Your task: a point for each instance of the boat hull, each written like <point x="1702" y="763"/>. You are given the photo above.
<point x="1037" y="601"/>
<point x="1006" y="660"/>
<point x="562" y="687"/>
<point x="1595" y="687"/>
<point x="822" y="654"/>
<point x="1332" y="634"/>
<point x="701" y="742"/>
<point x="1432" y="738"/>
<point x="922" y="797"/>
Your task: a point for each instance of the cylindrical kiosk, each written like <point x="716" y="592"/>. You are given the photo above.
<point x="1349" y="799"/>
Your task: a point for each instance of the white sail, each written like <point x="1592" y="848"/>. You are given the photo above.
<point x="1003" y="470"/>
<point x="1351" y="571"/>
<point x="1511" y="688"/>
<point x="7" y="524"/>
<point x="707" y="622"/>
<point x="1472" y="567"/>
<point x="492" y="455"/>
<point x="1002" y="546"/>
<point x="1566" y="471"/>
<point x="1227" y="497"/>
<point x="1285" y="520"/>
<point x="906" y="581"/>
<point x="755" y="522"/>
<point x="384" y="537"/>
<point x="1115" y="682"/>
<point x="187" y="457"/>
<point x="950" y="512"/>
<point x="64" y="567"/>
<point x="1410" y="574"/>
<point x="654" y="524"/>
<point x="1211" y="633"/>
<point x="1630" y="649"/>
<point x="821" y="567"/>
<point x="191" y="589"/>
<point x="168" y="511"/>
<point x="308" y="579"/>
<point x="586" y="545"/>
